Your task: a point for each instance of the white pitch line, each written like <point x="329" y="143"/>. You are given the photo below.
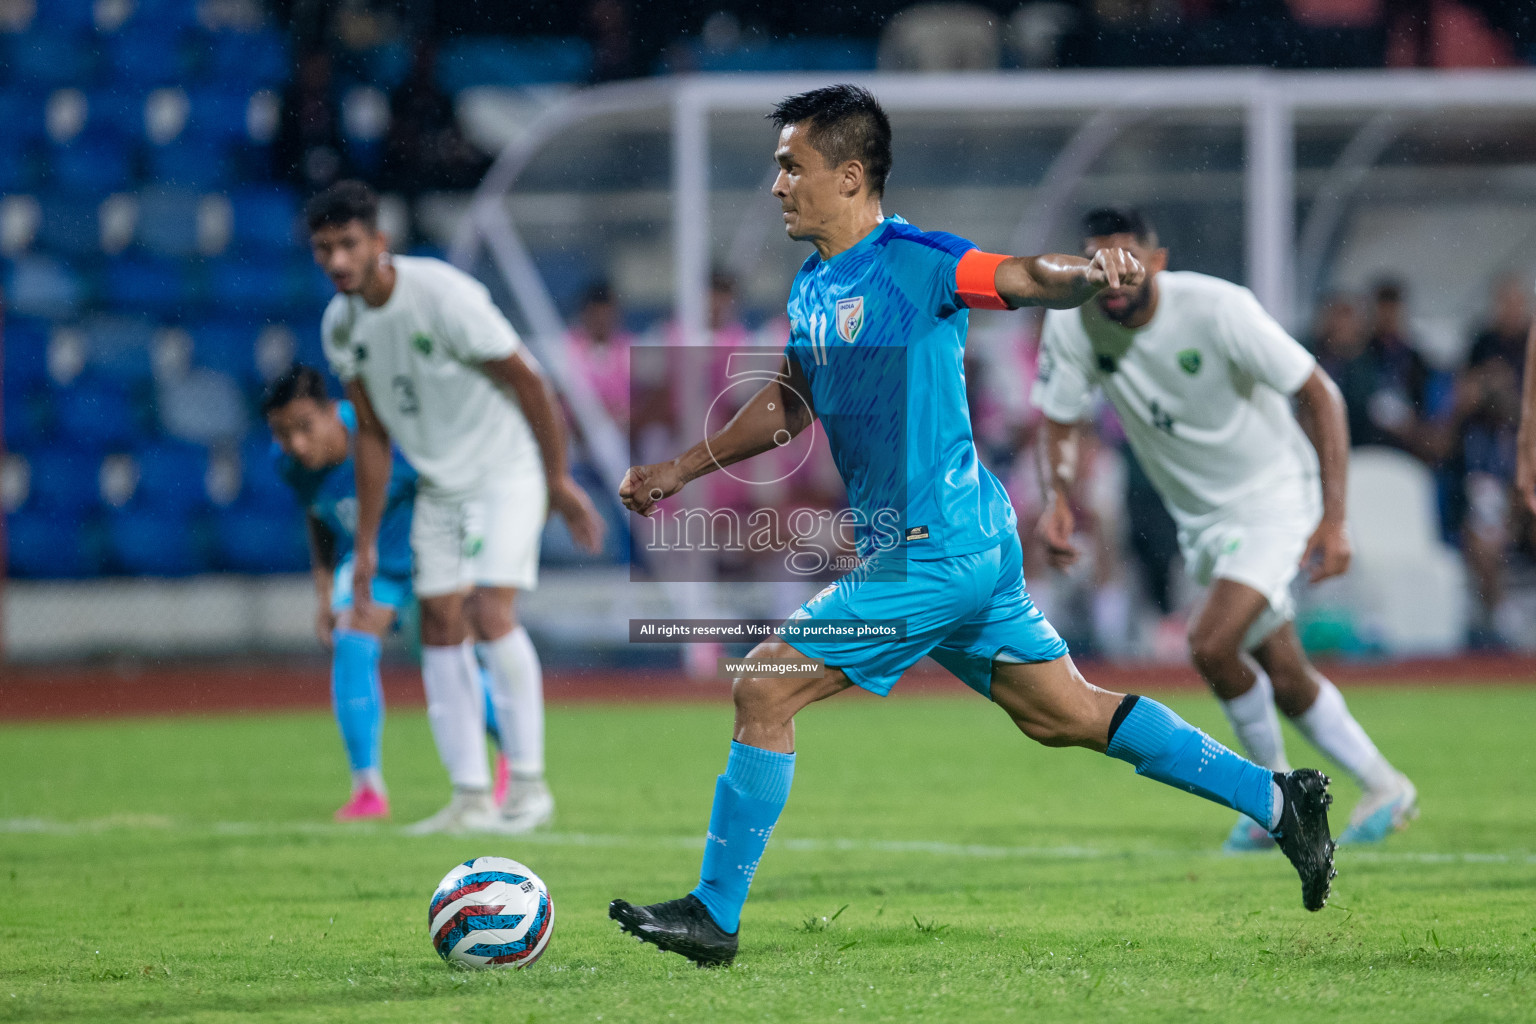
<point x="43" y="826"/>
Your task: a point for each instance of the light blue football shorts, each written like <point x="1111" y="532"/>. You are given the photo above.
<point x="391" y="591"/>
<point x="966" y="611"/>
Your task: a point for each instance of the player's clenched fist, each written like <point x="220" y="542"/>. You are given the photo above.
<point x="1115" y="268"/>
<point x="644" y="486"/>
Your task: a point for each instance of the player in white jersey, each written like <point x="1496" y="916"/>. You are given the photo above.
<point x="430" y="362"/>
<point x="1202" y="378"/>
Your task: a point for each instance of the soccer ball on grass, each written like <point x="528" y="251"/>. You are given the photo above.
<point x="490" y="912"/>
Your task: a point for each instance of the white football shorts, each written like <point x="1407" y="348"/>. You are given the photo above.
<point x="1259" y="546"/>
<point x="490" y="538"/>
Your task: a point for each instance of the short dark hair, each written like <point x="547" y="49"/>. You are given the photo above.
<point x="1389" y="289"/>
<point x="298" y="381"/>
<point x="1119" y="220"/>
<point x="843" y="122"/>
<point x="341" y="204"/>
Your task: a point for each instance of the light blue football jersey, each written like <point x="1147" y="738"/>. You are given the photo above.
<point x="330" y="495"/>
<point x="879" y="331"/>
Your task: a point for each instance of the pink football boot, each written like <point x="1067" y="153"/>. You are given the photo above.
<point x="503" y="778"/>
<point x="367" y="804"/>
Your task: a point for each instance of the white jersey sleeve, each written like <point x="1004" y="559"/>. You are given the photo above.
<point x="336" y="339"/>
<point x="473" y="329"/>
<point x="1064" y="383"/>
<point x="1259" y="346"/>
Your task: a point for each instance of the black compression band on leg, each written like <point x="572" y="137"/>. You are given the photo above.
<point x="1126" y="703"/>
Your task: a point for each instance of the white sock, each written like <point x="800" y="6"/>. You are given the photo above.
<point x="1334" y="731"/>
<point x="1276" y="806"/>
<point x="456" y="712"/>
<point x="1112" y="618"/>
<point x="368" y="778"/>
<point x="517" y="692"/>
<point x="1257" y="725"/>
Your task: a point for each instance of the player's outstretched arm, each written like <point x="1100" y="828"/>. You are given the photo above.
<point x="1058" y="472"/>
<point x="372" y="461"/>
<point x="523" y="377"/>
<point x="1525" y="453"/>
<point x="1062" y="282"/>
<point x="1321" y="412"/>
<point x="768" y="420"/>
<point x="322" y="551"/>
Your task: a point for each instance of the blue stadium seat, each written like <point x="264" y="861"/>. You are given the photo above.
<point x="95" y="415"/>
<point x="250" y="287"/>
<point x="164" y="15"/>
<point x="70" y="226"/>
<point x="150" y="285"/>
<point x="248" y="59"/>
<point x="15" y="169"/>
<point x="228" y="346"/>
<point x="44" y="59"/>
<point x="68" y="15"/>
<point x="173" y="476"/>
<point x="41" y="286"/>
<point x="117" y="112"/>
<point x="189" y="161"/>
<point x="218" y="113"/>
<point x="261" y="487"/>
<point x="120" y="349"/>
<point x="64" y="480"/>
<point x="152" y="542"/>
<point x="93" y="163"/>
<point x="27" y="418"/>
<point x="265" y="219"/>
<point x="167" y="222"/>
<point x="260" y="540"/>
<point x="828" y="54"/>
<point x="145" y="55"/>
<point x="22" y="112"/>
<point x="486" y="60"/>
<point x="26" y="353"/>
<point x="47" y="545"/>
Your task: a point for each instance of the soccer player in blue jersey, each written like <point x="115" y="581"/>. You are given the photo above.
<point x="312" y="448"/>
<point x="878" y="321"/>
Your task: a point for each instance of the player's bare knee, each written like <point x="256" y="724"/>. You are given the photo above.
<point x="442" y="622"/>
<point x="1212" y="652"/>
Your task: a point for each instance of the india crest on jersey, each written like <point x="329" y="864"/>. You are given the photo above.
<point x="850" y="318"/>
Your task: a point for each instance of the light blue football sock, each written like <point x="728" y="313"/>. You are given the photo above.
<point x="358" y="698"/>
<point x="748" y="800"/>
<point x="1163" y="746"/>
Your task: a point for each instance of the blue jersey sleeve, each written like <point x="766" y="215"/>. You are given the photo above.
<point x="924" y="263"/>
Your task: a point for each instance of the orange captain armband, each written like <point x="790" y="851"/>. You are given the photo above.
<point x="976" y="280"/>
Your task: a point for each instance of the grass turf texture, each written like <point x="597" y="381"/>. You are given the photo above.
<point x="932" y="864"/>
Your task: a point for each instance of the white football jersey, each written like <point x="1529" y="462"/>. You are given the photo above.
<point x="418" y="356"/>
<point x="1202" y="390"/>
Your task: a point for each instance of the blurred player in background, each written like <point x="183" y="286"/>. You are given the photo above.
<point x="313" y="450"/>
<point x="1525" y="444"/>
<point x="1201" y="376"/>
<point x="429" y="361"/>
<point x="879" y="314"/>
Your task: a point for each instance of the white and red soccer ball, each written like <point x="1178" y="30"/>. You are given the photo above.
<point x="491" y="912"/>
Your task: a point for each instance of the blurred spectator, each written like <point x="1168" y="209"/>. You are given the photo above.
<point x="597" y="346"/>
<point x="1339" y="341"/>
<point x="308" y="149"/>
<point x="613" y="49"/>
<point x="1481" y="433"/>
<point x="1449" y="34"/>
<point x="941" y="37"/>
<point x="425" y="148"/>
<point x="1397" y="391"/>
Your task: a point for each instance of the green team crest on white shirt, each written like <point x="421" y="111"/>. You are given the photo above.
<point x="423" y="344"/>
<point x="1189" y="361"/>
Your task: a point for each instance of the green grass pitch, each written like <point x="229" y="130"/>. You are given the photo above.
<point x="932" y="865"/>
